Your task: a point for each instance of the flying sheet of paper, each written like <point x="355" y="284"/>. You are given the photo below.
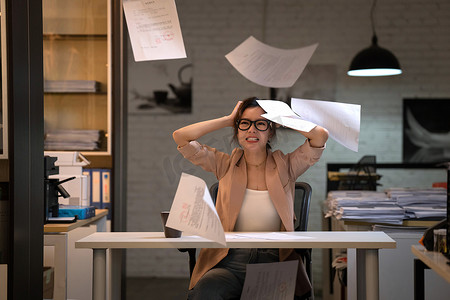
<point x="269" y="66"/>
<point x="193" y="210"/>
<point x="341" y="119"/>
<point x="279" y="112"/>
<point x="154" y="30"/>
<point x="270" y="281"/>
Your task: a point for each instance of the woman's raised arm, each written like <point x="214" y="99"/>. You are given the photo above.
<point x="317" y="136"/>
<point x="194" y="131"/>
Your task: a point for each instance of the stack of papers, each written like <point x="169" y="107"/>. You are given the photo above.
<point x="367" y="206"/>
<point x="356" y="198"/>
<point x="388" y="215"/>
<point x="420" y="212"/>
<point x="399" y="229"/>
<point x="390" y="207"/>
<point x="72" y="140"/>
<point x="421" y="203"/>
<point x="71" y="86"/>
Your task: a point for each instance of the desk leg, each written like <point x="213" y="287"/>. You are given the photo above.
<point x="99" y="274"/>
<point x="115" y="287"/>
<point x="59" y="241"/>
<point x="419" y="279"/>
<point x="372" y="274"/>
<point x="367" y="273"/>
<point x="101" y="224"/>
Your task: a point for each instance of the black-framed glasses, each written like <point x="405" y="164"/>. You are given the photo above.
<point x="261" y="124"/>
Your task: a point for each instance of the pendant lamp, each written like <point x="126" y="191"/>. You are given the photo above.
<point x="374" y="60"/>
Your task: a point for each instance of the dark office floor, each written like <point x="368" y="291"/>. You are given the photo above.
<point x="157" y="288"/>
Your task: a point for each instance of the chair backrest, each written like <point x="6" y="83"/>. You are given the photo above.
<point x="213" y="191"/>
<point x="302" y="201"/>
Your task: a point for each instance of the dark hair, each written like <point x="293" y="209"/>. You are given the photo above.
<point x="247" y="103"/>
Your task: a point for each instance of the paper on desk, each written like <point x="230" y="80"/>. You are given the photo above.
<point x="154" y="30"/>
<point x="270" y="281"/>
<point x="193" y="210"/>
<point x="342" y="120"/>
<point x="269" y="66"/>
<point x="278" y="236"/>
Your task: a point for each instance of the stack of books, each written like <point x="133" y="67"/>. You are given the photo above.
<point x="71" y="86"/>
<point x="73" y="140"/>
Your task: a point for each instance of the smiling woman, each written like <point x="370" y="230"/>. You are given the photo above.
<point x="254" y="182"/>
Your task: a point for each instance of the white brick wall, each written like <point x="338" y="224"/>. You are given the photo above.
<point x="416" y="31"/>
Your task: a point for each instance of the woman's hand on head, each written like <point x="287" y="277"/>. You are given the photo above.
<point x="234" y="113"/>
<point x="194" y="131"/>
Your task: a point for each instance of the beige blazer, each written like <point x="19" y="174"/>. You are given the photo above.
<point x="282" y="170"/>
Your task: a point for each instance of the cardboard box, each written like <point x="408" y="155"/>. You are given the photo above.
<point x="48" y="282"/>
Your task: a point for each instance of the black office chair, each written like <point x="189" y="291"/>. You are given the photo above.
<point x="302" y="201"/>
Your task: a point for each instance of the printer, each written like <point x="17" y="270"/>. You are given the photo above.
<point x="71" y="165"/>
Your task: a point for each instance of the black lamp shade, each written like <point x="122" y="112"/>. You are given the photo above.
<point x="374" y="61"/>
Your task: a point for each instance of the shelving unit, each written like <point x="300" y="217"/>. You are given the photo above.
<point x="76" y="49"/>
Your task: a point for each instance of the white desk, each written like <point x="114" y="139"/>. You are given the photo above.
<point x="366" y="244"/>
<point x="57" y="235"/>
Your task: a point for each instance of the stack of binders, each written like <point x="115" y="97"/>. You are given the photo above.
<point x="100" y="186"/>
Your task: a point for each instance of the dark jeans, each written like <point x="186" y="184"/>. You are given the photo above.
<point x="226" y="279"/>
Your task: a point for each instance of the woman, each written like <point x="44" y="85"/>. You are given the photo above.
<point x="256" y="194"/>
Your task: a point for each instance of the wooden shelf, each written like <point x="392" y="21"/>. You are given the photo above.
<point x="66" y="227"/>
<point x="98" y="161"/>
<point x="62" y="37"/>
<point x="76" y="93"/>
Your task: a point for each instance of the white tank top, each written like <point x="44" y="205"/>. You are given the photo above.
<point x="257" y="213"/>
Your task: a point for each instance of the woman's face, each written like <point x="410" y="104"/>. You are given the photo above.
<point x="253" y="139"/>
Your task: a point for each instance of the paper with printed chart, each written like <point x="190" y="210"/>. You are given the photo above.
<point x="275" y="281"/>
<point x="342" y="120"/>
<point x="154" y="30"/>
<point x="193" y="210"/>
<point x="269" y="66"/>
